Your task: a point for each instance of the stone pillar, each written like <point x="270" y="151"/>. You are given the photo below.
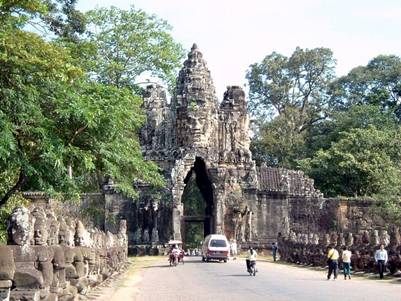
<point x="7" y="270"/>
<point x="177" y="222"/>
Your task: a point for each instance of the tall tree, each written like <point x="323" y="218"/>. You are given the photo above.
<point x="52" y="115"/>
<point x="363" y="162"/>
<point x="361" y="116"/>
<point x="128" y="43"/>
<point x="300" y="82"/>
<point x="377" y="83"/>
<point x="288" y="96"/>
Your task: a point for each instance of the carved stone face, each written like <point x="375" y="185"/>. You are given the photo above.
<point x="20" y="226"/>
<point x="53" y="234"/>
<point x="81" y="236"/>
<point x="40" y="233"/>
<point x="64" y="235"/>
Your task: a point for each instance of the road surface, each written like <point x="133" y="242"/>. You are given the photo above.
<point x="199" y="281"/>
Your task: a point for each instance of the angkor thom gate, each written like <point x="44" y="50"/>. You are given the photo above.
<point x="194" y="134"/>
<point x="214" y="186"/>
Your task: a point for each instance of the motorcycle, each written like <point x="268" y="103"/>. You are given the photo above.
<point x="251" y="268"/>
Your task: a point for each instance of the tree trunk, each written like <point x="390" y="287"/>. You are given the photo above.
<point x="21" y="180"/>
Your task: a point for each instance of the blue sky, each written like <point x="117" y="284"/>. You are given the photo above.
<point x="234" y="34"/>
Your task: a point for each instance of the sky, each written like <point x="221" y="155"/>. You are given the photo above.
<point x="232" y="35"/>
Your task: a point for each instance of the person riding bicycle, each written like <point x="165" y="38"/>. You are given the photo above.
<point x="250" y="258"/>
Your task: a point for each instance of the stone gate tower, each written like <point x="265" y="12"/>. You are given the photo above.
<point x="194" y="133"/>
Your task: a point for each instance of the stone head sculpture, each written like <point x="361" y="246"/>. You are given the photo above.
<point x="53" y="228"/>
<point x="40" y="226"/>
<point x="20" y="226"/>
<point x="82" y="237"/>
<point x="40" y="231"/>
<point x="65" y="234"/>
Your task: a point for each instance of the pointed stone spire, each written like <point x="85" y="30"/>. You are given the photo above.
<point x="195" y="102"/>
<point x="194" y="81"/>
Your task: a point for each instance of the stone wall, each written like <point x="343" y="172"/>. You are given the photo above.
<point x="52" y="256"/>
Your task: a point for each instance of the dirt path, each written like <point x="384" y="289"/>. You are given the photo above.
<point x="123" y="287"/>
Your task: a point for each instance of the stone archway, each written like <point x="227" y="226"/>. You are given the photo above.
<point x="197" y="203"/>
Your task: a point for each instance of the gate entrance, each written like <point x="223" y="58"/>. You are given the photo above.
<point x="197" y="200"/>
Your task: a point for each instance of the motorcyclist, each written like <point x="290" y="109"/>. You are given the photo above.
<point x="250" y="259"/>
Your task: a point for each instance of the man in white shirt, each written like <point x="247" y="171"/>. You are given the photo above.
<point x="251" y="258"/>
<point x="346" y="259"/>
<point x="381" y="259"/>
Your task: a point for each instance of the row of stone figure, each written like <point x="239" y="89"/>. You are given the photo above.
<point x="372" y="237"/>
<point x="54" y="258"/>
<point x="308" y="249"/>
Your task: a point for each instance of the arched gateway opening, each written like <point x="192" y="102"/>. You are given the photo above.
<point x="197" y="199"/>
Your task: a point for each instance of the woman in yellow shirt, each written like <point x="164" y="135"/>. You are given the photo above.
<point x="332" y="261"/>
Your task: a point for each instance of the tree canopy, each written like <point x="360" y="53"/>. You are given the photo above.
<point x="127" y="43"/>
<point x="64" y="125"/>
<point x="343" y="132"/>
<point x="377" y="83"/>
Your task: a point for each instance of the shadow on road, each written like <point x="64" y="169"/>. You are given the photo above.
<point x="237" y="275"/>
<point x="159" y="266"/>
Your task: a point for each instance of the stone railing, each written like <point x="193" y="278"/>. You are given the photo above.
<point x="51" y="257"/>
<point x="311" y="248"/>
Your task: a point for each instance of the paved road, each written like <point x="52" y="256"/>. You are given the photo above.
<point x="198" y="281"/>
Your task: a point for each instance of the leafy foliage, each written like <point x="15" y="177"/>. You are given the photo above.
<point x="55" y="116"/>
<point x="279" y="143"/>
<point x="363" y="162"/>
<point x="288" y="96"/>
<point x="128" y="43"/>
<point x="378" y="83"/>
<point x="300" y="82"/>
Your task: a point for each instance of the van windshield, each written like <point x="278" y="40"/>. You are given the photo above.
<point x="218" y="243"/>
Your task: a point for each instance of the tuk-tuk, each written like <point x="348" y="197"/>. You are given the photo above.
<point x="176" y="254"/>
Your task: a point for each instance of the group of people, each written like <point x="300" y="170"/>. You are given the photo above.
<point x="333" y="256"/>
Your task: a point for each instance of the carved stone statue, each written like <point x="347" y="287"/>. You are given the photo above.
<point x="146" y="238"/>
<point x="350" y="240"/>
<point x="384" y="238"/>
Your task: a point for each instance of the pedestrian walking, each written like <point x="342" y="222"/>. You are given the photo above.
<point x="233" y="249"/>
<point x="332" y="261"/>
<point x="346" y="259"/>
<point x="381" y="259"/>
<point x="274" y="251"/>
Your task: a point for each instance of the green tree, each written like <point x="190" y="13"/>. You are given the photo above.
<point x="378" y="83"/>
<point x="363" y="162"/>
<point x="128" y="43"/>
<point x="361" y="116"/>
<point x="53" y="116"/>
<point x="279" y="143"/>
<point x="279" y="83"/>
<point x="288" y="96"/>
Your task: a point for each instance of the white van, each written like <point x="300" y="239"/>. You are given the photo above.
<point x="215" y="246"/>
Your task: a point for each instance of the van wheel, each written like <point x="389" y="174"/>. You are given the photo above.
<point x="225" y="260"/>
<point x="203" y="259"/>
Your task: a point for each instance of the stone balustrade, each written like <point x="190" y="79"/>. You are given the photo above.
<point x="53" y="257"/>
<point x="311" y="248"/>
